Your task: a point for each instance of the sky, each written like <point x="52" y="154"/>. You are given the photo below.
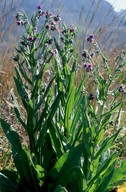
<point x="118" y="4"/>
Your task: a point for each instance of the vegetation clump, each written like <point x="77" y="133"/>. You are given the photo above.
<point x="72" y="126"/>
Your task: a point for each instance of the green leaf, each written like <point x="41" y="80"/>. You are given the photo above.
<point x="30" y="172"/>
<point x="12" y="175"/>
<point x="57" y="145"/>
<point x="62" y="171"/>
<point x="69" y="109"/>
<point x="59" y="188"/>
<point x="6" y="185"/>
<point x="24" y="74"/>
<point x="46" y="152"/>
<point x="71" y="81"/>
<point x="119" y="173"/>
<point x="17" y="109"/>
<point x="30" y="127"/>
<point x="45" y="94"/>
<point x="112" y="109"/>
<point x="11" y="135"/>
<point x="77" y="180"/>
<point x="58" y="47"/>
<point x="75" y="128"/>
<point x="21" y="91"/>
<point x="14" y="139"/>
<point x="105" y="180"/>
<point x="99" y="137"/>
<point x="107" y="143"/>
<point x="103" y="169"/>
<point x="106" y="119"/>
<point x="53" y="135"/>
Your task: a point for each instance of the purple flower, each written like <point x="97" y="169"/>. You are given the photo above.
<point x="54" y="26"/>
<point x="48" y="15"/>
<point x="91" y="96"/>
<point x="47" y="26"/>
<point x="19" y="22"/>
<point x="111" y="123"/>
<point x="49" y="41"/>
<point x="64" y="31"/>
<point x="91" y="38"/>
<point x="62" y="39"/>
<point x="72" y="29"/>
<point x="85" y="54"/>
<point x="121" y="88"/>
<point x="39" y="6"/>
<point x="30" y="38"/>
<point x="57" y="18"/>
<point x="92" y="54"/>
<point x="23" y="43"/>
<point x="87" y="66"/>
<point x="52" y="52"/>
<point x="41" y="13"/>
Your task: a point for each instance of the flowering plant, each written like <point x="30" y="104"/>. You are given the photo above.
<point x="68" y="147"/>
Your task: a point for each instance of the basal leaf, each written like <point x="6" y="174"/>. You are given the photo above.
<point x="119" y="173"/>
<point x="11" y="135"/>
<point x="6" y="185"/>
<point x="62" y="171"/>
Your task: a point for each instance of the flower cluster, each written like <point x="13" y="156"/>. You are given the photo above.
<point x="52" y="21"/>
<point x="71" y="30"/>
<point x="18" y="18"/>
<point x="67" y="38"/>
<point x="87" y="55"/>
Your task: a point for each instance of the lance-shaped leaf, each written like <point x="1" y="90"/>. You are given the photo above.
<point x="14" y="139"/>
<point x="59" y="188"/>
<point x="21" y="91"/>
<point x="69" y="110"/>
<point x="103" y="170"/>
<point x="11" y="135"/>
<point x="30" y="172"/>
<point x="17" y="109"/>
<point x="105" y="180"/>
<point x="6" y="185"/>
<point x="107" y="143"/>
<point x="62" y="171"/>
<point x="24" y="74"/>
<point x="119" y="173"/>
<point x="45" y="94"/>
